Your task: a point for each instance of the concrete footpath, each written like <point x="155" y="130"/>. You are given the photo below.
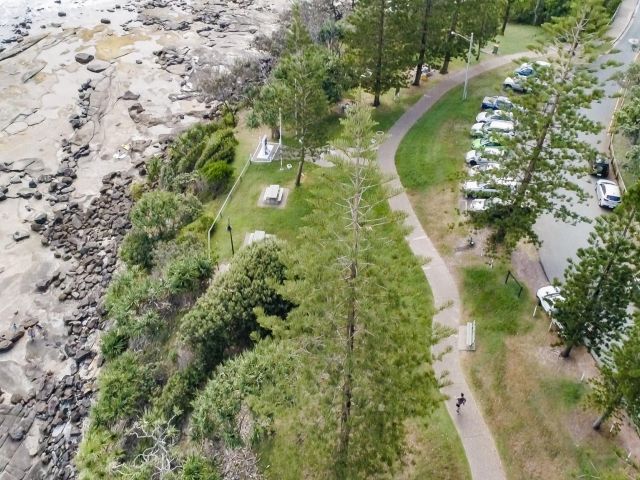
<point x="476" y="437"/>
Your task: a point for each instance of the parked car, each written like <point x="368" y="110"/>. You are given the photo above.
<point x="503" y="127"/>
<point x="483" y="155"/>
<point x="517" y="82"/>
<point x="600" y="167"/>
<point x="489" y="115"/>
<point x="486" y="188"/>
<point x="548" y="297"/>
<point x="482" y="204"/>
<point x="528" y="69"/>
<point x="486" y="142"/>
<point x="480" y="167"/>
<point x="496" y="103"/>
<point x="608" y="194"/>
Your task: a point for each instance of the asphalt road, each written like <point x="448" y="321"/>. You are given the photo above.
<point x="560" y="241"/>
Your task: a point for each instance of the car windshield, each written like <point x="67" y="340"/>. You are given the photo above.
<point x="613" y="198"/>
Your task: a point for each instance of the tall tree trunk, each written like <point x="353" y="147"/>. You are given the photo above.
<point x="350" y="326"/>
<point x="377" y="87"/>
<point x="299" y="175"/>
<point x="599" y="421"/>
<point x="447" y="55"/>
<point x="423" y="43"/>
<point x="481" y="35"/>
<point x="505" y="17"/>
<point x="347" y="387"/>
<point x="536" y="12"/>
<point x="566" y="351"/>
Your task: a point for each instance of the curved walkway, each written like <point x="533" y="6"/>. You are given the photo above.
<point x="476" y="437"/>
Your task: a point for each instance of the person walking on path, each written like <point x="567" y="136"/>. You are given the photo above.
<point x="460" y="401"/>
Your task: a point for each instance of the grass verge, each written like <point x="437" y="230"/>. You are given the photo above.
<point x="531" y="400"/>
<point x="533" y="404"/>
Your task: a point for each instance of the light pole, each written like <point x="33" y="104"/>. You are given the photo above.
<point x="466" y="73"/>
<point x="230" y="236"/>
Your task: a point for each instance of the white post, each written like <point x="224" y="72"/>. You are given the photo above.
<point x="466" y="73"/>
<point x="280" y="136"/>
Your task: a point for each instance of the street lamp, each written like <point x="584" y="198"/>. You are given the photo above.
<point x="466" y="73"/>
<point x="233" y="252"/>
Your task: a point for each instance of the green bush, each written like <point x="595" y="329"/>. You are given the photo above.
<point x="225" y="315"/>
<point x="128" y="293"/>
<point x="97" y="452"/>
<point x="217" y="176"/>
<point x="179" y="391"/>
<point x="136" y="249"/>
<point x="160" y="214"/>
<point x="125" y="385"/>
<point x="219" y="147"/>
<point x="196" y="467"/>
<point x="137" y="189"/>
<point x="188" y="272"/>
<point x="154" y="167"/>
<point x="114" y="343"/>
<point x="257" y="377"/>
<point x="188" y="147"/>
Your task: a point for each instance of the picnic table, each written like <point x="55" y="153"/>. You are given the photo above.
<point x="273" y="194"/>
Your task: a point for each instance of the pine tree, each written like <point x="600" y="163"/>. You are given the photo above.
<point x="380" y="46"/>
<point x="547" y="150"/>
<point x="618" y="387"/>
<point x="601" y="284"/>
<point x="367" y="369"/>
<point x="295" y="91"/>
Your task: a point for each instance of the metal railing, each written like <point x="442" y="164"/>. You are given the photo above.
<point x="226" y="200"/>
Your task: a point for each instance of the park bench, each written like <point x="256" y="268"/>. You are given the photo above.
<point x="467" y="336"/>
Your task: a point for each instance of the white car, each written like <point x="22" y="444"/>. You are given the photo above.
<point x="503" y="127"/>
<point x="486" y="188"/>
<point x="486" y="155"/>
<point x="548" y="297"/>
<point x="482" y="167"/>
<point x="489" y="115"/>
<point x="482" y="204"/>
<point x="608" y="194"/>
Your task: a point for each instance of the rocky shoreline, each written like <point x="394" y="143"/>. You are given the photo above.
<point x="68" y="156"/>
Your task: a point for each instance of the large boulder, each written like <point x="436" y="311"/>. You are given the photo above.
<point x="98" y="66"/>
<point x="84" y="58"/>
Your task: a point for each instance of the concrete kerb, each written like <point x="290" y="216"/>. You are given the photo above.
<point x="477" y="440"/>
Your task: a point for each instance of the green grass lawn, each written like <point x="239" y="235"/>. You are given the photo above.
<point x="533" y="405"/>
<point x="517" y="38"/>
<point x="621" y="146"/>
<point x="430" y="159"/>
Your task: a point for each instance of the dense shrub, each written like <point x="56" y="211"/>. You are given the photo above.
<point x="160" y="214"/>
<point x="251" y="378"/>
<point x="188" y="147"/>
<point x="128" y="293"/>
<point x="219" y="147"/>
<point x="96" y="453"/>
<point x="225" y="315"/>
<point x="179" y="391"/>
<point x="125" y="385"/>
<point x="136" y="249"/>
<point x="113" y="343"/>
<point x="217" y="176"/>
<point x="154" y="166"/>
<point x="198" y="468"/>
<point x="188" y="272"/>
